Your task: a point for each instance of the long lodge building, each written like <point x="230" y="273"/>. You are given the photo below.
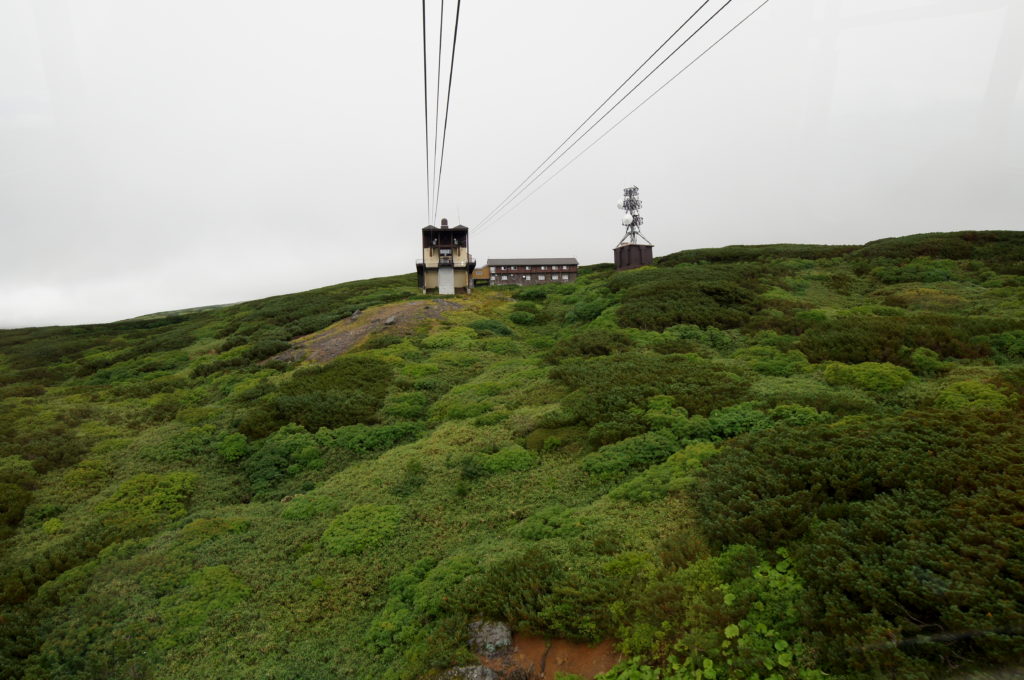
<point x="532" y="271"/>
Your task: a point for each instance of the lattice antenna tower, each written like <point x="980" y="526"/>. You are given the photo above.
<point x="632" y="220"/>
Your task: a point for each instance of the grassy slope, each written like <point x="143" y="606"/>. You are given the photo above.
<point x="514" y="460"/>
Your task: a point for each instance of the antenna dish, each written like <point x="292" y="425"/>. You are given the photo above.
<point x="627" y="220"/>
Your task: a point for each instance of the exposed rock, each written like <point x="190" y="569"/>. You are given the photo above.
<point x="490" y="638"/>
<point x="324" y="345"/>
<point x="470" y="673"/>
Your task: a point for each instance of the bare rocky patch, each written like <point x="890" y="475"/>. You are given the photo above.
<point x="345" y="335"/>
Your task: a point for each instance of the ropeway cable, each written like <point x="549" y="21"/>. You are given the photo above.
<point x="447" y="104"/>
<point x="593" y="113"/>
<point x="484" y="223"/>
<point x="634" y="110"/>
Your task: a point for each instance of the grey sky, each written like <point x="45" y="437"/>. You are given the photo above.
<point x="159" y="155"/>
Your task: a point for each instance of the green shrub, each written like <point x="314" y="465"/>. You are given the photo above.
<point x="523" y="318"/>
<point x="458" y="338"/>
<point x="145" y="502"/>
<point x="869" y="376"/>
<point x="532" y="293"/>
<point x="771" y="361"/>
<point x="414" y="475"/>
<point x="490" y="326"/>
<point x="927" y="363"/>
<point x="710" y="337"/>
<point x="512" y="458"/>
<point x="972" y="395"/>
<point x="590" y="342"/>
<point x="718" y="296"/>
<point x="664" y="478"/>
<point x="887" y="518"/>
<point x="587" y="310"/>
<point x="613" y="390"/>
<point x="642" y="451"/>
<point x="380" y="341"/>
<point x="206" y="597"/>
<point x="349" y="390"/>
<point x="233" y="447"/>
<point x="405" y="406"/>
<point x="361" y="441"/>
<point x="1008" y="346"/>
<point x="17" y="478"/>
<point x="924" y="269"/>
<point x="287" y="452"/>
<point x="361" y="528"/>
<point x="885" y="339"/>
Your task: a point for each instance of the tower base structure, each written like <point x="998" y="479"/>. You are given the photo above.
<point x="633" y="255"/>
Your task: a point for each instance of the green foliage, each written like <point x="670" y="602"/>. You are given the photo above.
<point x="404" y="406"/>
<point x="610" y="391"/>
<point x="349" y="390"/>
<point x="587" y="310"/>
<point x="523" y="318"/>
<point x="924" y="269"/>
<point x="869" y="376"/>
<point x="972" y="395"/>
<point x="205" y="598"/>
<point x="287" y="452"/>
<point x="361" y="528"/>
<point x="729" y="616"/>
<point x="1008" y="346"/>
<point x="590" y="342"/>
<point x="512" y="458"/>
<point x="765" y="253"/>
<point x="927" y="363"/>
<point x="146" y="502"/>
<point x="771" y="361"/>
<point x="614" y="460"/>
<point x="885" y="339"/>
<point x="876" y="535"/>
<point x="490" y="326"/>
<point x="654" y="299"/>
<point x="660" y="480"/>
<point x="17" y="479"/>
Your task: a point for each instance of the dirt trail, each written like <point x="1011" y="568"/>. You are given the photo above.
<point x="543" y="659"/>
<point x="341" y="336"/>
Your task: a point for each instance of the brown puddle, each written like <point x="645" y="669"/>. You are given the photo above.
<point x="544" y="658"/>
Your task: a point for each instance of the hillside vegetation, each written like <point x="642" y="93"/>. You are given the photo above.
<point x="746" y="462"/>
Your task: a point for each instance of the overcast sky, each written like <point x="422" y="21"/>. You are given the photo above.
<point x="160" y="155"/>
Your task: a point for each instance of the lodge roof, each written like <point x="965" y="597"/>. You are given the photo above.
<point x="532" y="261"/>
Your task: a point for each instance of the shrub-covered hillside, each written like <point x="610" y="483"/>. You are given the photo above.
<point x="747" y="462"/>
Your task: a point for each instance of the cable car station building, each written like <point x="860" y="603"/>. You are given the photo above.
<point x="447" y="266"/>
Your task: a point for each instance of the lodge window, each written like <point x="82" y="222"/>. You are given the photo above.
<point x="540" y="277"/>
<point x="504" y="277"/>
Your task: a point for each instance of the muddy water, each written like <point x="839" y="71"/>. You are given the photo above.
<point x="544" y="658"/>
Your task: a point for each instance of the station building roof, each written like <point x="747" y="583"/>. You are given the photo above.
<point x="532" y="261"/>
